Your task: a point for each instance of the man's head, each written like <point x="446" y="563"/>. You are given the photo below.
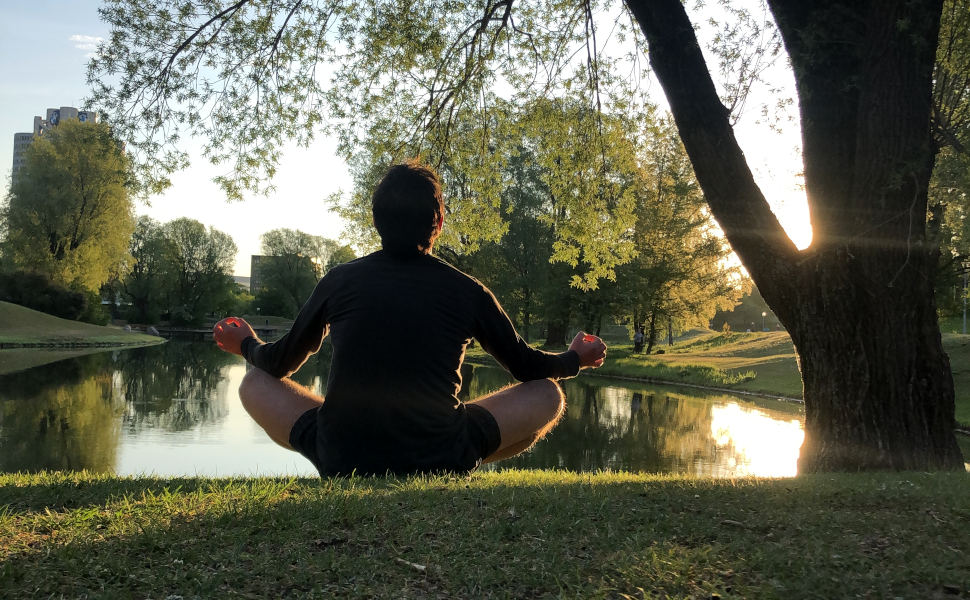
<point x="408" y="208"/>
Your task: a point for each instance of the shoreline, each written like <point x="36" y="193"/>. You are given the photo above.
<point x="960" y="428"/>
<point x="77" y="345"/>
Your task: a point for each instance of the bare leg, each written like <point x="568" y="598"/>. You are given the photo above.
<point x="275" y="404"/>
<point x="525" y="413"/>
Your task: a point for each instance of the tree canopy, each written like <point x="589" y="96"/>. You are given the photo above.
<point x="68" y="215"/>
<point x="291" y="269"/>
<point x="180" y="272"/>
<point x="422" y="76"/>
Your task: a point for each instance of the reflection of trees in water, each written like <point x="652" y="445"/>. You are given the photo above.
<point x="60" y="416"/>
<point x="173" y="386"/>
<point x="639" y="428"/>
<point x="622" y="429"/>
<point x="478" y="381"/>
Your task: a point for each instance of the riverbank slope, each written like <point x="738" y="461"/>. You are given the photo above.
<point x="756" y="362"/>
<point x="511" y="534"/>
<point x="23" y="331"/>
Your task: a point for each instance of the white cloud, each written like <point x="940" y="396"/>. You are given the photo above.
<point x="88" y="43"/>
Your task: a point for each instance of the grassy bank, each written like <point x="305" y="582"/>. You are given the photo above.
<point x="502" y="535"/>
<point x="760" y="362"/>
<point x="22" y="326"/>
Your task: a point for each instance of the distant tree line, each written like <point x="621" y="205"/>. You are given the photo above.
<point x="69" y="237"/>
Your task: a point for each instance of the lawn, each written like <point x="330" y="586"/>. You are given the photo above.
<point x="513" y="534"/>
<point x="22" y="326"/>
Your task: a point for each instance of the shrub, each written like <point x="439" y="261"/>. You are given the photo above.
<point x="37" y="292"/>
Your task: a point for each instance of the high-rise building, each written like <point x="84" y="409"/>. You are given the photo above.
<point x="54" y="116"/>
<point x="257" y="263"/>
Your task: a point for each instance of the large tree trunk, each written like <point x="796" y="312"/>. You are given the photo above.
<point x="859" y="302"/>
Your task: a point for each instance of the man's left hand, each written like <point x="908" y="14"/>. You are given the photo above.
<point x="230" y="332"/>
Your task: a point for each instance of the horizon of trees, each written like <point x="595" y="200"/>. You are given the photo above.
<point x="422" y="73"/>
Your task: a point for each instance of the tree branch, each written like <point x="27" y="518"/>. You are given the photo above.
<point x="703" y="122"/>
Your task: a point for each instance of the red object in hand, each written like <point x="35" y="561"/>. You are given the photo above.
<point x="589" y="338"/>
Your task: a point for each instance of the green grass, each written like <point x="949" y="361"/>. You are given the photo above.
<point x="518" y="534"/>
<point x="953" y="324"/>
<point x="22" y="326"/>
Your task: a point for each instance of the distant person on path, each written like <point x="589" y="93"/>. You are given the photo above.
<point x="638" y="341"/>
<point x="394" y="408"/>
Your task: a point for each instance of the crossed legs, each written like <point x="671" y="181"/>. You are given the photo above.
<point x="275" y="404"/>
<point x="525" y="412"/>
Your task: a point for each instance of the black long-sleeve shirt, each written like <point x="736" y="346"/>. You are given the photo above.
<point x="399" y="328"/>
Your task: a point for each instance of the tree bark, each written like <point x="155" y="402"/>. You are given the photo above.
<point x="859" y="303"/>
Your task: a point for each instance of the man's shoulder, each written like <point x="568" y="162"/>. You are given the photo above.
<point x="352" y="265"/>
<point x="457" y="275"/>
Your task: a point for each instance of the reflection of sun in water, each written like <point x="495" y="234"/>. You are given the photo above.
<point x="760" y="445"/>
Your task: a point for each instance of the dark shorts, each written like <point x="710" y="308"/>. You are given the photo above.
<point x="482" y="439"/>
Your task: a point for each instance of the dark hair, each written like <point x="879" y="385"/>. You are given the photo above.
<point x="407" y="206"/>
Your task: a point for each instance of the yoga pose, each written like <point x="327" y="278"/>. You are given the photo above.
<point x="399" y="321"/>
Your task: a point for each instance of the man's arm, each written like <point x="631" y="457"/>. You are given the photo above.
<point x="287" y="354"/>
<point x="498" y="337"/>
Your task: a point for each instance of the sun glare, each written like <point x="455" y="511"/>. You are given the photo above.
<point x="759" y="445"/>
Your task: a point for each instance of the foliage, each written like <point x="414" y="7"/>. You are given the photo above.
<point x="679" y="278"/>
<point x="517" y="266"/>
<point x="289" y="271"/>
<point x="951" y="78"/>
<point x="37" y="292"/>
<point x="950" y="191"/>
<point x="414" y="79"/>
<point x="338" y="254"/>
<point x="747" y="314"/>
<point x="202" y="262"/>
<point x="950" y="186"/>
<point x="248" y="75"/>
<point x="150" y="274"/>
<point x="180" y="271"/>
<point x="68" y="215"/>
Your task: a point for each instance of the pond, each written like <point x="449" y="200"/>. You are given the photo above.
<point x="173" y="410"/>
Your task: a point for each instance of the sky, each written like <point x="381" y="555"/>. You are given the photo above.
<point x="44" y="47"/>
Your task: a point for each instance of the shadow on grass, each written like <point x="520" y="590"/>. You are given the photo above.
<point x="81" y="490"/>
<point x="505" y="535"/>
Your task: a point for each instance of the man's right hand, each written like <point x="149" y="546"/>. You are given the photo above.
<point x="230" y="332"/>
<point x="591" y="350"/>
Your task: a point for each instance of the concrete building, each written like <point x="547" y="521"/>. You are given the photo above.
<point x="21" y="141"/>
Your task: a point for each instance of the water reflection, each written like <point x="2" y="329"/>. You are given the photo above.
<point x="172" y="387"/>
<point x="62" y="416"/>
<point x="174" y="410"/>
<point x="624" y="425"/>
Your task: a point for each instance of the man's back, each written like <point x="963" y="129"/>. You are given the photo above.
<point x="401" y="320"/>
<point x="399" y="326"/>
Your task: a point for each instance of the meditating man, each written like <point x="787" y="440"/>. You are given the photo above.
<point x="400" y="320"/>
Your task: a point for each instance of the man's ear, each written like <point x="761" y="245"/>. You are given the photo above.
<point x="441" y="222"/>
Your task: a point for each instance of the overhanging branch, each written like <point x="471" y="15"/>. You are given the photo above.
<point x="703" y="122"/>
